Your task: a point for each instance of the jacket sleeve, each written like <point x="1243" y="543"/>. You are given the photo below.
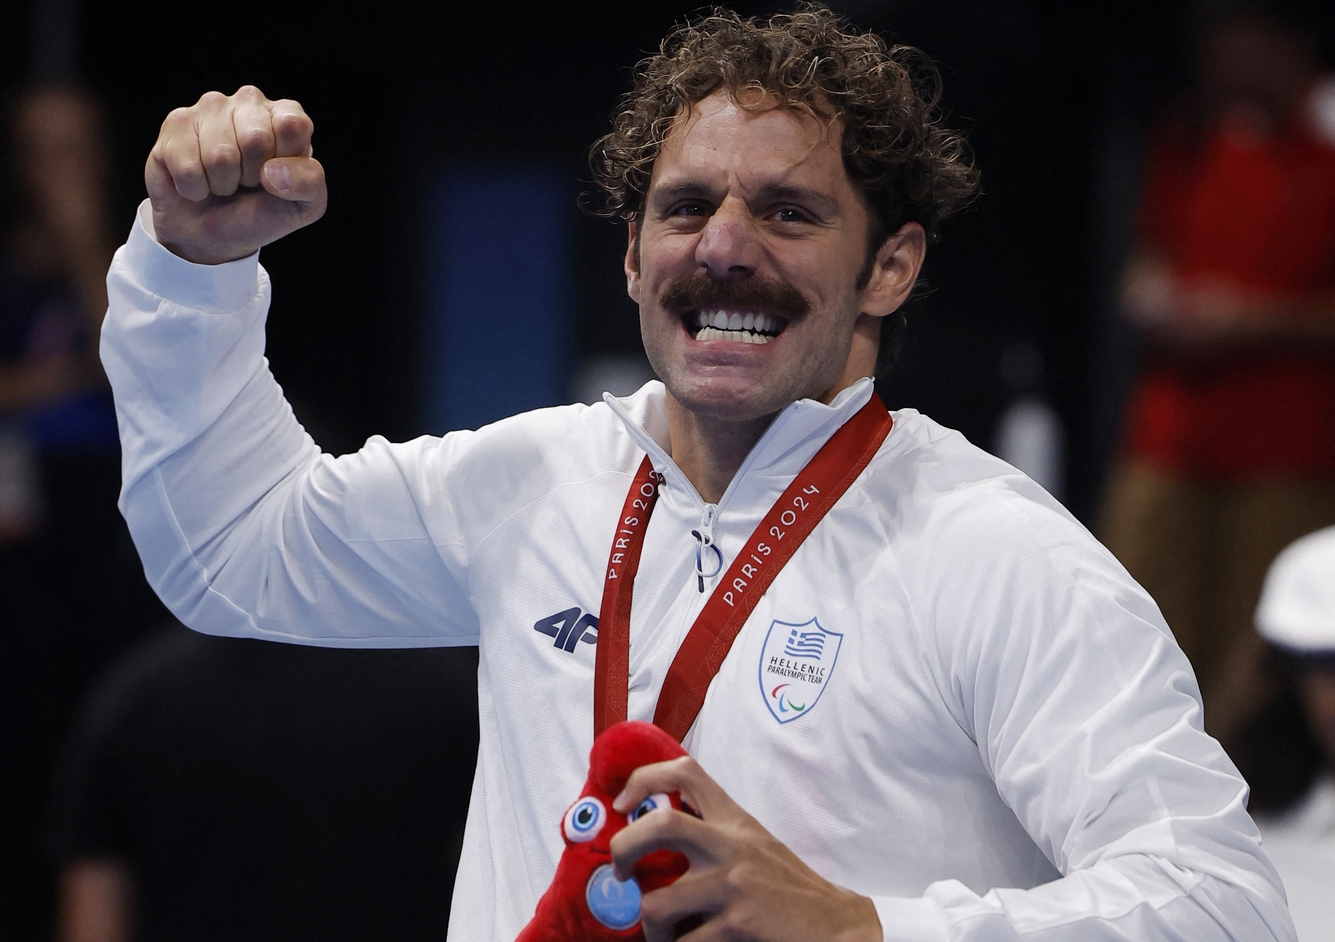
<point x="244" y="526"/>
<point x="1087" y="715"/>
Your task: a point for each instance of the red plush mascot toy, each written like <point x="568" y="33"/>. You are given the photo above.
<point x="586" y="902"/>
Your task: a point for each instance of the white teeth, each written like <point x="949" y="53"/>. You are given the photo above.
<point x="709" y="334"/>
<point x="736" y="326"/>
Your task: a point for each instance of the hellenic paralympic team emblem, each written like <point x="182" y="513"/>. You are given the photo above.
<point x="795" y="665"/>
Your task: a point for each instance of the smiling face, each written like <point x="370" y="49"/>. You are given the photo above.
<point x="746" y="266"/>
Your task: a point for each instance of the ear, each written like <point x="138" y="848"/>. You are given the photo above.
<point x="895" y="271"/>
<point x="632" y="264"/>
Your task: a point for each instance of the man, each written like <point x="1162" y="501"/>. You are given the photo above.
<point x="1296" y="619"/>
<point x="949" y="688"/>
<point x="1232" y="285"/>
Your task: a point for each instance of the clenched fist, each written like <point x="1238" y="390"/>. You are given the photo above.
<point x="232" y="173"/>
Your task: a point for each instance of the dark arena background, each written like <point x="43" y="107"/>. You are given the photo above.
<point x="453" y="280"/>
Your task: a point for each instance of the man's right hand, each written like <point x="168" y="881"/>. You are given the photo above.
<point x="232" y="173"/>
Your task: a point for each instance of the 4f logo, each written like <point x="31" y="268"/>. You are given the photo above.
<point x="569" y="628"/>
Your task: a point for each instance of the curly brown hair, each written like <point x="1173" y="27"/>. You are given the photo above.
<point x="896" y="149"/>
<point x="909" y="166"/>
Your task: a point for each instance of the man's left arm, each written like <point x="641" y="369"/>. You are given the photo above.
<point x="1088" y="717"/>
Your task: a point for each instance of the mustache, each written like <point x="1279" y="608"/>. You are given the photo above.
<point x="767" y="295"/>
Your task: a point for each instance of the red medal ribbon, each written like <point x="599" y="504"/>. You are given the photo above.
<point x="794" y="515"/>
<point x="611" y="663"/>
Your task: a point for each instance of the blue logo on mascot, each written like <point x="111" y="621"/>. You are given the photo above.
<point x="614" y="903"/>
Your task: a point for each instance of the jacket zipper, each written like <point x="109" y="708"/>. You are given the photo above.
<point x="708" y="557"/>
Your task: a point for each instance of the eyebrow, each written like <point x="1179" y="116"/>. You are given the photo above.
<point x="668" y="194"/>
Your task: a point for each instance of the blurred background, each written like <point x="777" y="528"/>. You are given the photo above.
<point x="455" y="280"/>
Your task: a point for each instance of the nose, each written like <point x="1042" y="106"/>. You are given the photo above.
<point x="729" y="245"/>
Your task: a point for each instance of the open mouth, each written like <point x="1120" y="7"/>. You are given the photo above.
<point x="709" y="324"/>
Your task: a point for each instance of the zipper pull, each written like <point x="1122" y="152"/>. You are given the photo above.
<point x="708" y="557"/>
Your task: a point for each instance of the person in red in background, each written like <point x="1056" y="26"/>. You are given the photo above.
<point x="1229" y="447"/>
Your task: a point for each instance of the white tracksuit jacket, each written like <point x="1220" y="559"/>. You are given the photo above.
<point x="1006" y="744"/>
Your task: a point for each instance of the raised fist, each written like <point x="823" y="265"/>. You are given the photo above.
<point x="232" y="173"/>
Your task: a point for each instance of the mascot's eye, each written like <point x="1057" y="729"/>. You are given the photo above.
<point x="652" y="803"/>
<point x="584" y="820"/>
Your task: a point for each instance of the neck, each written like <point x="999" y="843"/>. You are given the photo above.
<point x="709" y="451"/>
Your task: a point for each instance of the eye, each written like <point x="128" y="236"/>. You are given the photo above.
<point x="689" y="209"/>
<point x="584" y="820"/>
<point x="789" y="214"/>
<point x="652" y="803"/>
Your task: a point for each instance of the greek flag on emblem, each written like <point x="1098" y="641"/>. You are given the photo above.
<point x="795" y="667"/>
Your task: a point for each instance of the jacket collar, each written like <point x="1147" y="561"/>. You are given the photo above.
<point x="791" y="440"/>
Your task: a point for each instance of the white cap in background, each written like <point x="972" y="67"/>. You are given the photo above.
<point x="1297" y="608"/>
